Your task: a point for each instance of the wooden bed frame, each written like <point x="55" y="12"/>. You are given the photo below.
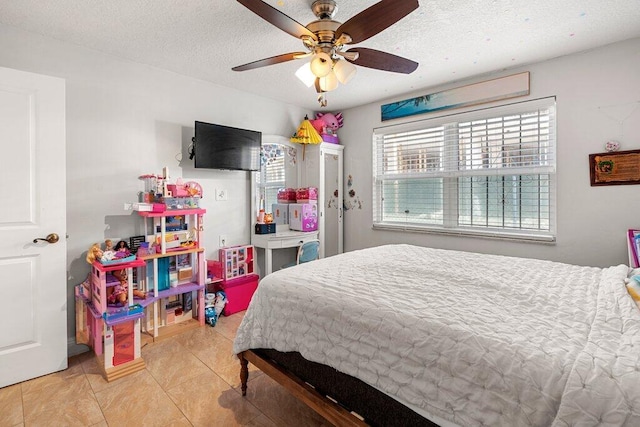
<point x="374" y="407"/>
<point x="330" y="410"/>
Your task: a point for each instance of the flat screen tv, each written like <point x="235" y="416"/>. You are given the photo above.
<point x="223" y="147"/>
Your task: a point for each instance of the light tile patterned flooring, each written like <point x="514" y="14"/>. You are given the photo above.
<point x="190" y="379"/>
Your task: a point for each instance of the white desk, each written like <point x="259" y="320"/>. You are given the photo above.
<point x="279" y="240"/>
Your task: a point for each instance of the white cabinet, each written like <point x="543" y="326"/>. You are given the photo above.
<point x="322" y="167"/>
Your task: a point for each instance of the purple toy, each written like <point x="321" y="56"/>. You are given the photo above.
<point x="327" y="125"/>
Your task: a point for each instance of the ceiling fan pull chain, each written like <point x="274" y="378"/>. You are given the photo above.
<point x="322" y="100"/>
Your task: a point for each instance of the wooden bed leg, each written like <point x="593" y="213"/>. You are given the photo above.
<point x="244" y="373"/>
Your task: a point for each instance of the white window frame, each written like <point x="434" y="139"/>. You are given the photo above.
<point x="256" y="186"/>
<point x="448" y="169"/>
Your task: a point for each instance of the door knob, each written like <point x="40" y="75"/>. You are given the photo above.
<point x="51" y="238"/>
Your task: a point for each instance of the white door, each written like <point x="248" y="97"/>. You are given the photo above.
<point x="33" y="318"/>
<point x="331" y="211"/>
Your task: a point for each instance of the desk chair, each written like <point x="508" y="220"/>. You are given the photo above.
<point x="308" y="251"/>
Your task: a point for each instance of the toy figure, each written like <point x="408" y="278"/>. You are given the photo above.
<point x="122" y="249"/>
<point x="94" y="253"/>
<point x="214" y="308"/>
<point x="327" y="125"/>
<point x="108" y="254"/>
<point x="118" y="293"/>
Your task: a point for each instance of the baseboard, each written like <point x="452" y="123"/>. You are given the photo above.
<point x="74" y="349"/>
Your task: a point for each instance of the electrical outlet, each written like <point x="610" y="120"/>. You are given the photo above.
<point x="221" y="195"/>
<point x="222" y="241"/>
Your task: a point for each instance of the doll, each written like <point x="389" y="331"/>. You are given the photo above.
<point x="108" y="254"/>
<point x="122" y="249"/>
<point x="120" y="293"/>
<point x="94" y="253"/>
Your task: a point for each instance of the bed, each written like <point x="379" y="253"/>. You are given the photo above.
<point x="455" y="338"/>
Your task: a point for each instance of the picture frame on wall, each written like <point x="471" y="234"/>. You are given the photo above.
<point x="615" y="168"/>
<point x="492" y="90"/>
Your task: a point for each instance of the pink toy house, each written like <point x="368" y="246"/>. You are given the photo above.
<point x="113" y="332"/>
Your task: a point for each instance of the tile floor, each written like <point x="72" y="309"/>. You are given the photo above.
<point x="190" y="380"/>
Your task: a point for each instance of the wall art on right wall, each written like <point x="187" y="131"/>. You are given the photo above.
<point x="464" y="96"/>
<point x="615" y="168"/>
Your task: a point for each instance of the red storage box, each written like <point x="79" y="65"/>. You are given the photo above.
<point x="214" y="269"/>
<point x="307" y="195"/>
<point x="286" y="195"/>
<point x="239" y="292"/>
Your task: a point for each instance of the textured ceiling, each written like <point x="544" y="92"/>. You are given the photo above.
<point x="450" y="39"/>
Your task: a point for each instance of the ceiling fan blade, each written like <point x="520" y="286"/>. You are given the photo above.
<point x="277" y="18"/>
<point x="269" y="61"/>
<point x="375" y="19"/>
<point x="379" y="60"/>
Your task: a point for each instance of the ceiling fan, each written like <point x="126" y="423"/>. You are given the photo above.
<point x="326" y="40"/>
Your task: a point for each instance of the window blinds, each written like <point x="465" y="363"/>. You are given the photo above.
<point x="492" y="168"/>
<point x="272" y="173"/>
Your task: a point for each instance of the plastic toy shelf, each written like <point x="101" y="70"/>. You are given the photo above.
<point x="120" y="266"/>
<point x="113" y="315"/>
<point x="176" y="236"/>
<point x="171" y="253"/>
<point x="172" y="212"/>
<point x="118" y="315"/>
<point x="180" y="289"/>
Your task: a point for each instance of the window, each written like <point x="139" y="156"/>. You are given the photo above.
<point x="277" y="170"/>
<point x="489" y="172"/>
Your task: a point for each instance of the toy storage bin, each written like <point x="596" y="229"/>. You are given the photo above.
<point x="286" y="195"/>
<point x="303" y="216"/>
<point x="280" y="213"/>
<point x="177" y="203"/>
<point x="307" y="195"/>
<point x="214" y="269"/>
<point x="239" y="292"/>
<point x="266" y="228"/>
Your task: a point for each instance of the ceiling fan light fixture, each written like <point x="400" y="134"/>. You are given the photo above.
<point x="329" y="82"/>
<point x="325" y="39"/>
<point x="344" y="71"/>
<point x="321" y="64"/>
<point x="305" y="74"/>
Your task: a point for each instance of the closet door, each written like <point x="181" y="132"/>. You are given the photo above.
<point x="333" y="205"/>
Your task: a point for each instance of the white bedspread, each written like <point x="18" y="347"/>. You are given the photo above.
<point x="474" y="339"/>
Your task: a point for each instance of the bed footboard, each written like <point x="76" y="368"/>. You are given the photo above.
<point x="330" y="410"/>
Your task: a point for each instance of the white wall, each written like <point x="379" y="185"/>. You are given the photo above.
<point x="591" y="221"/>
<point x="124" y="120"/>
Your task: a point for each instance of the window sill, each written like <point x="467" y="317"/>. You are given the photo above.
<point x="522" y="237"/>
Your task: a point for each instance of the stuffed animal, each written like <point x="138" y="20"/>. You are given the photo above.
<point x="327" y="125"/>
